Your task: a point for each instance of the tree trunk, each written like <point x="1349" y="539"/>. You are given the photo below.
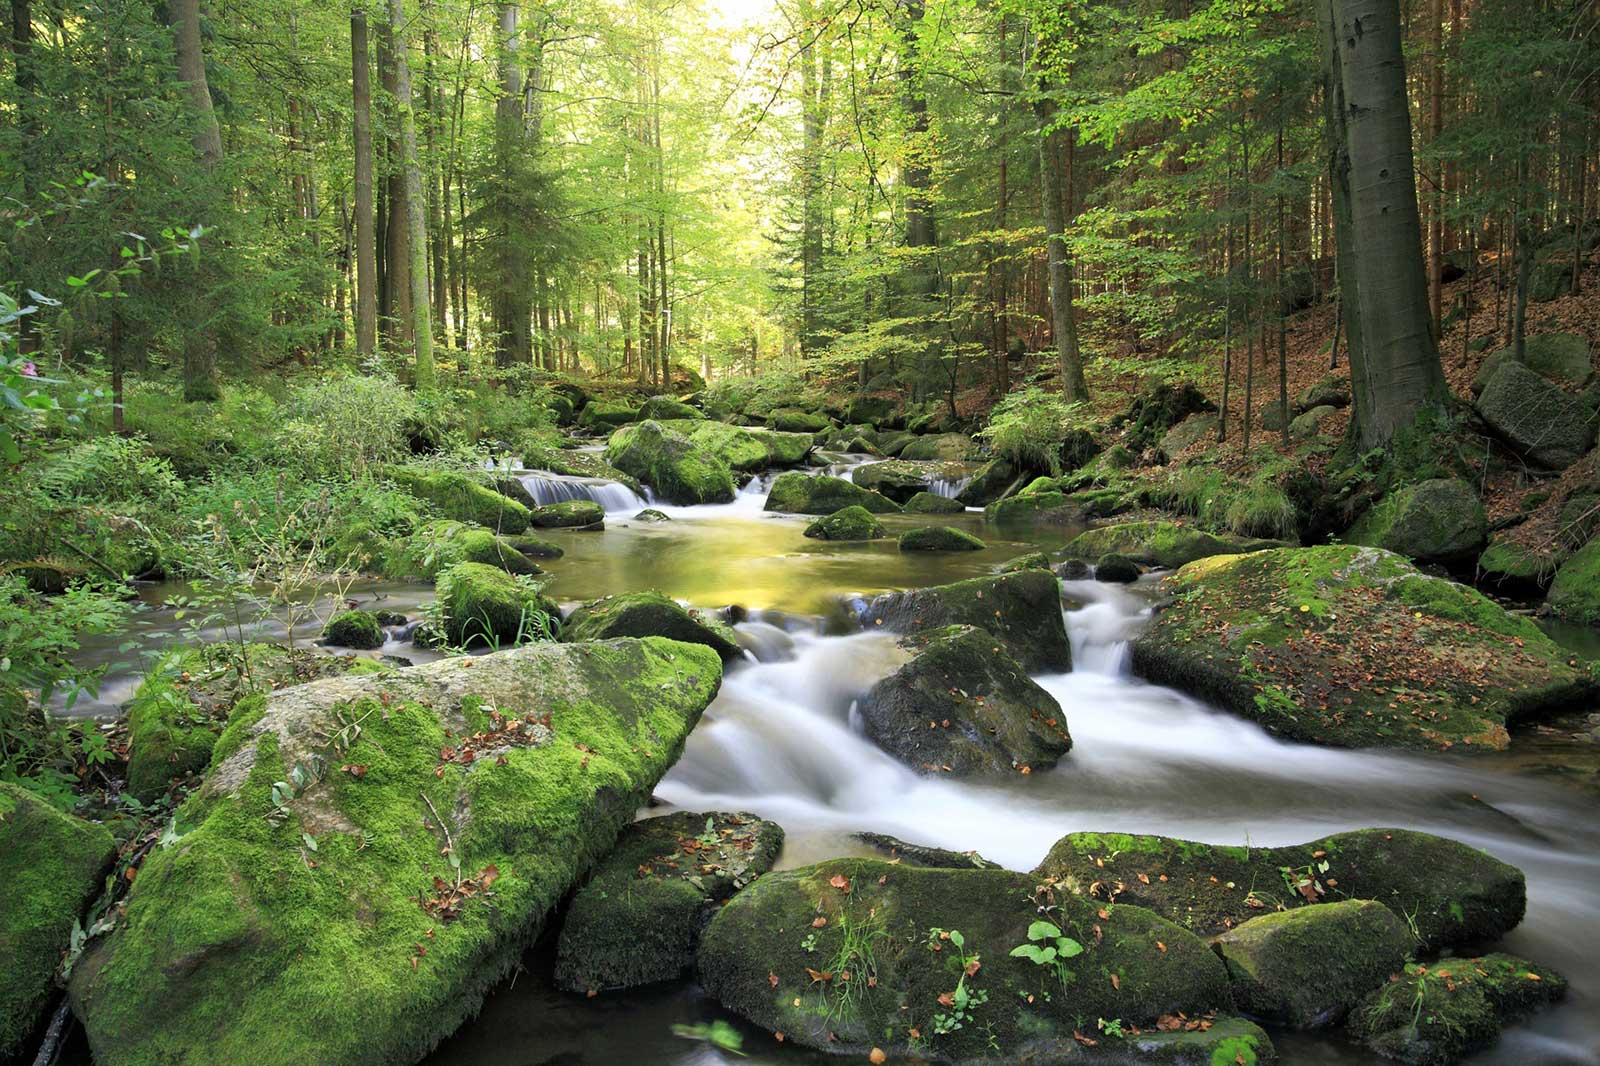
<point x="1063" y="319"/>
<point x="183" y="16"/>
<point x="1435" y="128"/>
<point x="416" y="228"/>
<point x="396" y="229"/>
<point x="1394" y="360"/>
<point x="366" y="239"/>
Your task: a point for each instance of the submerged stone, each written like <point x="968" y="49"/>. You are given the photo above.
<point x="847" y="523"/>
<point x="939" y="539"/>
<point x="963" y="706"/>
<point x="648" y="614"/>
<point x="1308" y="966"/>
<point x="1354" y="647"/>
<point x="1022" y="610"/>
<point x="51" y="865"/>
<point x="675" y="467"/>
<point x="1440" y="1012"/>
<point x="650" y="514"/>
<point x="369" y="857"/>
<point x="820" y="494"/>
<point x="1449" y="893"/>
<point x="852" y="954"/>
<point x="638" y="919"/>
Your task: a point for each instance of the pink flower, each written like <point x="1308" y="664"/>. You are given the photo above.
<point x="29" y="370"/>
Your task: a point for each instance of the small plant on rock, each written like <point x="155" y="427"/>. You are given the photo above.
<point x="1048" y="946"/>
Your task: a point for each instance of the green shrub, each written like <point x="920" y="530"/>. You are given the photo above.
<point x="1030" y="426"/>
<point x="346" y="424"/>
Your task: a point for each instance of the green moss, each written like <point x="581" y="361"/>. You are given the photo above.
<point x="602" y="415"/>
<point x="1225" y="1042"/>
<point x="459" y="497"/>
<point x="674" y="466"/>
<point x="1158" y="543"/>
<point x="789" y="420"/>
<point x="354" y="629"/>
<point x="1352" y="646"/>
<point x="1030" y="561"/>
<point x="881" y="924"/>
<point x="537" y="454"/>
<point x="1037" y="507"/>
<point x="1506" y="562"/>
<point x="440" y="545"/>
<point x="1449" y="894"/>
<point x="1040" y="484"/>
<point x="649" y="614"/>
<point x="1439" y="520"/>
<point x="51" y="865"/>
<point x="584" y="514"/>
<point x="1575" y="592"/>
<point x="929" y="503"/>
<point x="1022" y="610"/>
<point x="344" y="949"/>
<point x="482" y="605"/>
<point x="939" y="539"/>
<point x="740" y="450"/>
<point x="847" y="523"/>
<point x="798" y="493"/>
<point x="663" y="408"/>
<point x="639" y="918"/>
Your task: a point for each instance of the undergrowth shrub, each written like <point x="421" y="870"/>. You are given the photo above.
<point x="1030" y="426"/>
<point x="345" y="424"/>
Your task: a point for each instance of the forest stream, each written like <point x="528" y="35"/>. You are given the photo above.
<point x="779" y="741"/>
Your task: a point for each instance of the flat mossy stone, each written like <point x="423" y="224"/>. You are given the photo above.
<point x="939" y="539"/>
<point x="790" y="420"/>
<point x="51" y="865"/>
<point x="354" y="629"/>
<point x="677" y="469"/>
<point x="1022" y="610"/>
<point x="313" y="866"/>
<point x="820" y="494"/>
<point x="1439" y="520"/>
<point x="847" y="523"/>
<point x="1158" y="543"/>
<point x="1308" y="966"/>
<point x="946" y="447"/>
<point x="648" y="614"/>
<point x="1449" y="893"/>
<point x="455" y="495"/>
<point x="900" y="851"/>
<point x="929" y="503"/>
<point x="1353" y="647"/>
<point x="962" y="706"/>
<point x="663" y="408"/>
<point x="639" y="917"/>
<point x="570" y="514"/>
<point x="907" y="938"/>
<point x="1049" y="507"/>
<point x="1575" y="590"/>
<point x="1216" y="1041"/>
<point x="485" y="605"/>
<point x="1441" y="1012"/>
<point x="1030" y="561"/>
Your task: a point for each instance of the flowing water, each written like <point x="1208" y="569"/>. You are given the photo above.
<point x="779" y="741"/>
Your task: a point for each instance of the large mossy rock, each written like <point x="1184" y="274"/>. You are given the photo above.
<point x="485" y="605"/>
<point x="1308" y="966"/>
<point x="1330" y="391"/>
<point x="570" y="514"/>
<point x="51" y="865"/>
<point x="853" y="954"/>
<point x="940" y="539"/>
<point x="440" y="545"/>
<point x="1440" y="1012"/>
<point x="603" y="416"/>
<point x="1451" y="894"/>
<point x="944" y="447"/>
<point x="457" y="496"/>
<point x="539" y="455"/>
<point x="1535" y="417"/>
<point x="1559" y="357"/>
<point x="1508" y="563"/>
<point x="963" y="706"/>
<point x="847" y="523"/>
<point x="369" y="857"/>
<point x="639" y="917"/>
<point x="354" y="629"/>
<point x="991" y="482"/>
<point x="1439" y="521"/>
<point x="901" y="479"/>
<point x="1190" y="431"/>
<point x="675" y="467"/>
<point x="1222" y="1041"/>
<point x="1022" y="610"/>
<point x="1040" y="507"/>
<point x="665" y="408"/>
<point x="1575" y="591"/>
<point x="1353" y="647"/>
<point x="792" y="420"/>
<point x="648" y="614"/>
<point x="873" y="410"/>
<point x="1159" y="543"/>
<point x="746" y="451"/>
<point x="929" y="503"/>
<point x="797" y="493"/>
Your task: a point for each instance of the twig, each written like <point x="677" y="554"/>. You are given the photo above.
<point x="448" y="843"/>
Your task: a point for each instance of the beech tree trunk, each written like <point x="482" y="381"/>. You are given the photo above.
<point x="414" y="223"/>
<point x="1394" y="360"/>
<point x="366" y="232"/>
<point x="1063" y="322"/>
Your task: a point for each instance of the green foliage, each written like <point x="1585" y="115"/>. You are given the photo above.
<point x="1029" y="427"/>
<point x="346" y="424"/>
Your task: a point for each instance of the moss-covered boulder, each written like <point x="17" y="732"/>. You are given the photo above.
<point x="1535" y="417"/>
<point x="873" y="410"/>
<point x="1159" y="543"/>
<point x="537" y="454"/>
<point x="1562" y="358"/>
<point x="679" y="471"/>
<point x="1116" y="569"/>
<point x="790" y="420"/>
<point x="1449" y="893"/>
<point x="741" y="450"/>
<point x="640" y="916"/>
<point x="1354" y="647"/>
<point x="648" y="614"/>
<point x="853" y="954"/>
<point x="369" y="857"/>
<point x="440" y="545"/>
<point x="1436" y="1014"/>
<point x="1030" y="561"/>
<point x="929" y="503"/>
<point x="650" y="514"/>
<point x="480" y="604"/>
<point x="1022" y="610"/>
<point x="963" y="706"/>
<point x="570" y="514"/>
<point x="945" y="447"/>
<point x="1191" y="431"/>
<point x="989" y="483"/>
<point x="1330" y="391"/>
<point x="798" y="493"/>
<point x="51" y="865"/>
<point x="354" y="629"/>
<point x="1510" y="564"/>
<point x="663" y="408"/>
<point x="1044" y="507"/>
<point x="1575" y="590"/>
<point x="901" y="479"/>
<point x="939" y="539"/>
<point x="1211" y="1041"/>
<point x="784" y="449"/>
<point x="603" y="416"/>
<point x="1440" y="520"/>
<point x="455" y="495"/>
<point x="1309" y="424"/>
<point x="847" y="523"/>
<point x="1306" y="967"/>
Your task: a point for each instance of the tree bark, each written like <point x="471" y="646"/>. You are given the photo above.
<point x="366" y="235"/>
<point x="1063" y="319"/>
<point x="416" y="229"/>
<point x="183" y="16"/>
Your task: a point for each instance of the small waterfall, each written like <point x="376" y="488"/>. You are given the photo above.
<point x="949" y="487"/>
<point x="546" y="487"/>
<point x="1102" y="630"/>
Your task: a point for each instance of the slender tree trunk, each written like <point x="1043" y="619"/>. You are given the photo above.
<point x="1063" y="321"/>
<point x="366" y="239"/>
<point x="183" y="16"/>
<point x="397" y="310"/>
<point x="416" y="229"/>
<point x="1435" y="128"/>
<point x="1283" y="311"/>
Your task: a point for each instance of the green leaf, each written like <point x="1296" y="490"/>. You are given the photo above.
<point x="1043" y="931"/>
<point x="1067" y="947"/>
<point x="957" y="939"/>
